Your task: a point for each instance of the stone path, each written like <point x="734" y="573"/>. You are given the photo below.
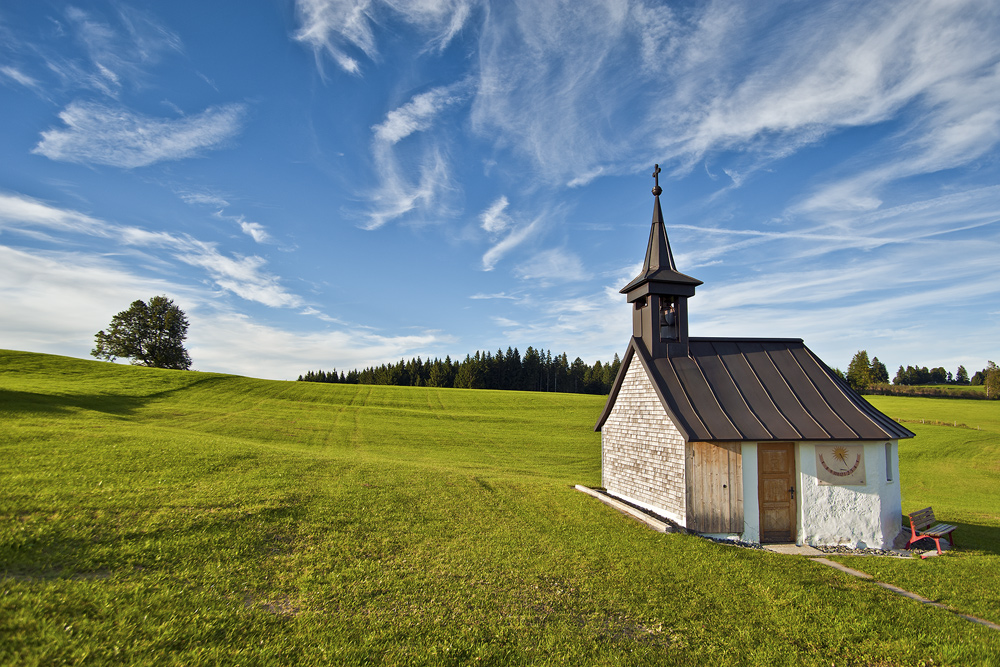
<point x="899" y="591"/>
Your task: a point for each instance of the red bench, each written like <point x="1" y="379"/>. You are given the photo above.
<point x="922" y="525"/>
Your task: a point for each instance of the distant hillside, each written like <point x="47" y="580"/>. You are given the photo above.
<point x="538" y="370"/>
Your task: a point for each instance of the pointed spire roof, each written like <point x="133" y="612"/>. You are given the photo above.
<point x="659" y="266"/>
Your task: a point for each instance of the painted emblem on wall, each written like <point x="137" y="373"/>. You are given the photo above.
<point x="840" y="465"/>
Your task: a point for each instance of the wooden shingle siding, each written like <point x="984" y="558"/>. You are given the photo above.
<point x="642" y="450"/>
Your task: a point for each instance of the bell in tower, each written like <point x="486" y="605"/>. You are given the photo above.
<point x="659" y="293"/>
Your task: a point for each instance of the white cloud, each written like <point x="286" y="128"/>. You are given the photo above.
<point x="309" y="310"/>
<point x="551" y="85"/>
<point x="17" y="75"/>
<point x="493" y="219"/>
<point x="203" y="198"/>
<point x="18" y="212"/>
<point x="499" y="295"/>
<point x="99" y="134"/>
<point x="233" y="341"/>
<point x="336" y="27"/>
<point x="591" y="325"/>
<point x="397" y="194"/>
<point x="417" y="114"/>
<point x="327" y="24"/>
<point x="516" y="237"/>
<point x="243" y="276"/>
<point x="63" y="299"/>
<point x="116" y="52"/>
<point x="962" y="126"/>
<point x="552" y="266"/>
<point x="255" y="230"/>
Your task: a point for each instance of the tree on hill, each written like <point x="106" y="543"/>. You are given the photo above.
<point x="992" y="380"/>
<point x="879" y="373"/>
<point x="859" y="372"/>
<point x="150" y="335"/>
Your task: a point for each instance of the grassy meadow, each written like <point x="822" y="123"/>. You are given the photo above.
<point x="169" y="517"/>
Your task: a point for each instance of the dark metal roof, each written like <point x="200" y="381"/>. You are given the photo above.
<point x="756" y="390"/>
<point x="659" y="264"/>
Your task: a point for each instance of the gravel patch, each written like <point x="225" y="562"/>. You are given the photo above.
<point x="735" y="543"/>
<point x="835" y="549"/>
<point x="839" y="549"/>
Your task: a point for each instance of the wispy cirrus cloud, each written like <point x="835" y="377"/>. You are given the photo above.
<point x="398" y="192"/>
<point x="499" y="295"/>
<point x="515" y="237"/>
<point x="933" y="227"/>
<point x="254" y="230"/>
<point x="495" y="219"/>
<point x="582" y="325"/>
<point x="19" y="212"/>
<point x="338" y="28"/>
<point x="203" y="198"/>
<point x="556" y="265"/>
<point x="115" y="136"/>
<point x="93" y="51"/>
<point x="507" y="230"/>
<point x="418" y="113"/>
<point x="244" y="276"/>
<point x="117" y="53"/>
<point x="63" y="298"/>
<point x="15" y="74"/>
<point x="550" y="82"/>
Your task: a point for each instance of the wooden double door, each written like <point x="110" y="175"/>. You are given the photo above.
<point x="776" y="491"/>
<point x="714" y="474"/>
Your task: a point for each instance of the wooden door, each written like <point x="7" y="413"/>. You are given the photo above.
<point x="776" y="491"/>
<point x="714" y="475"/>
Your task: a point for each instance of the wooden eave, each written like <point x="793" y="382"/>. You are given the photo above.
<point x="755" y="390"/>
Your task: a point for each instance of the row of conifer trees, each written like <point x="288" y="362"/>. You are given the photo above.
<point x="537" y="370"/>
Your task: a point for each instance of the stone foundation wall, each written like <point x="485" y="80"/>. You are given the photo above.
<point x="642" y="452"/>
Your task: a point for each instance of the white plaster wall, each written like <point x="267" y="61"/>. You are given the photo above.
<point x="751" y="504"/>
<point x="855" y="516"/>
<point x="642" y="452"/>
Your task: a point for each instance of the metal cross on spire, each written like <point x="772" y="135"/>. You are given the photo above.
<point x="656" y="176"/>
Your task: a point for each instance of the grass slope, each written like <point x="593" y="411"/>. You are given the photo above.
<point x="167" y="517"/>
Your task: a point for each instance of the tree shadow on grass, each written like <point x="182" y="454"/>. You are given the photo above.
<point x="26" y="402"/>
<point x="124" y="546"/>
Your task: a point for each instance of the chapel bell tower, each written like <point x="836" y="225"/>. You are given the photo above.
<point x="659" y="293"/>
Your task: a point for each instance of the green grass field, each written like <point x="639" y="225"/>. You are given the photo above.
<point x="170" y="517"/>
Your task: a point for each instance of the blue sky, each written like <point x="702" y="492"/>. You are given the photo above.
<point x="338" y="183"/>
